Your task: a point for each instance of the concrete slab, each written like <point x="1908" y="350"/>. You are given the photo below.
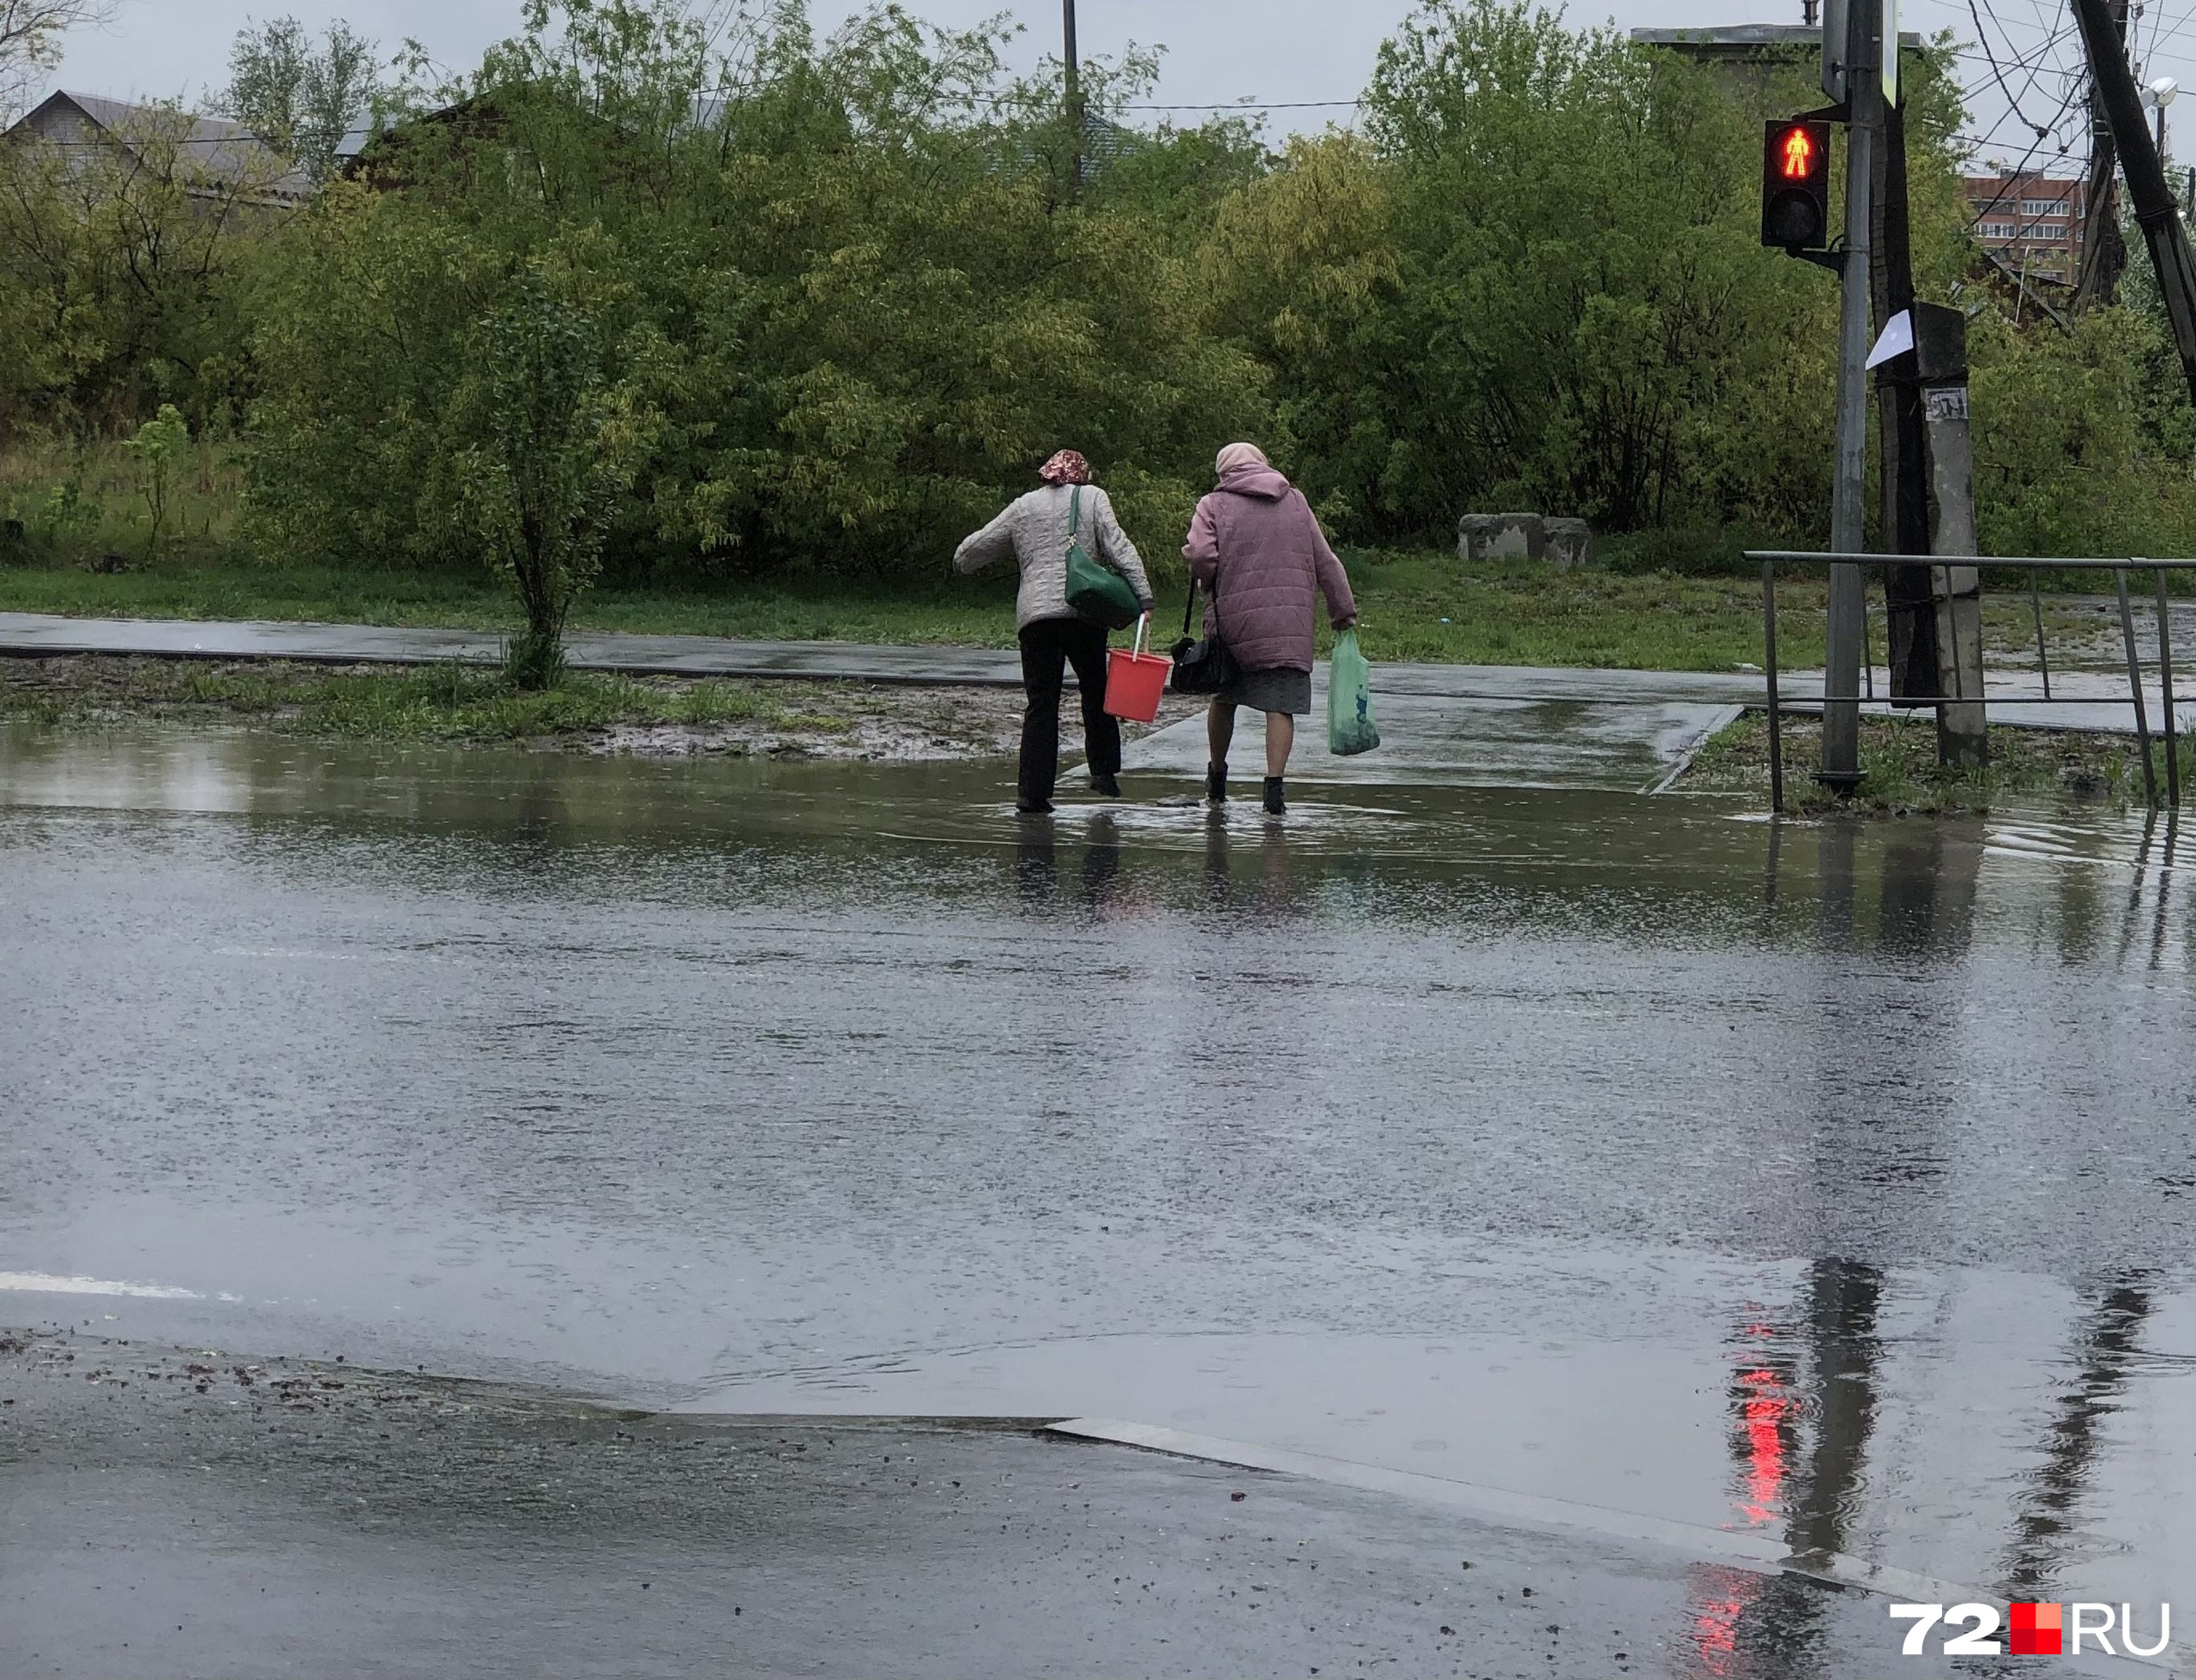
<point x="1478" y="742"/>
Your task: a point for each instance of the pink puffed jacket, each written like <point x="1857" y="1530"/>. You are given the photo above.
<point x="1257" y="548"/>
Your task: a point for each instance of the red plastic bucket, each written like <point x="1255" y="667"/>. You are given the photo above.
<point x="1136" y="679"/>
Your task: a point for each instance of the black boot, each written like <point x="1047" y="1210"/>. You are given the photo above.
<point x="1105" y="784"/>
<point x="1215" y="783"/>
<point x="1275" y="805"/>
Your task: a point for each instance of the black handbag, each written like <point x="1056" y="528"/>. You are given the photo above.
<point x="1201" y="667"/>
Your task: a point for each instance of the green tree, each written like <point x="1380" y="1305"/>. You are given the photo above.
<point x="555" y="445"/>
<point x="302" y="98"/>
<point x="156" y="447"/>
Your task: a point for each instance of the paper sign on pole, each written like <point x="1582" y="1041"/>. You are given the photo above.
<point x="1897" y="340"/>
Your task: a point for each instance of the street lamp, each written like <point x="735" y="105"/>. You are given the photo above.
<point x="2159" y="94"/>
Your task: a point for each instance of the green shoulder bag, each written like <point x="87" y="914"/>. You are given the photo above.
<point x="1098" y="592"/>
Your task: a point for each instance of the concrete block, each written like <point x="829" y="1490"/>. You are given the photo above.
<point x="1569" y="544"/>
<point x="1501" y="537"/>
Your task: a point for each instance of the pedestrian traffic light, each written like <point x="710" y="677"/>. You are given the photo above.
<point x="1796" y="184"/>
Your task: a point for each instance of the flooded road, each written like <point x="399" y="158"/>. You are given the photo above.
<point x="1833" y="1183"/>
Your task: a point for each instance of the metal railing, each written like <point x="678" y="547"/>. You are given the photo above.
<point x="1771" y="559"/>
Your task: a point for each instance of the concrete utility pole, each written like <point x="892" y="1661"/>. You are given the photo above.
<point x="1074" y="63"/>
<point x="1848" y="510"/>
<point x="1940" y="359"/>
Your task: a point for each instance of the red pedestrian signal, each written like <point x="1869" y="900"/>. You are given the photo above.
<point x="1795" y="186"/>
<point x="1798" y="150"/>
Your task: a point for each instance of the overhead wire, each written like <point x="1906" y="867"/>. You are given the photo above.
<point x="2035" y="60"/>
<point x="1997" y="72"/>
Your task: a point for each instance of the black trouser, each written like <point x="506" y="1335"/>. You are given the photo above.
<point x="1046" y="647"/>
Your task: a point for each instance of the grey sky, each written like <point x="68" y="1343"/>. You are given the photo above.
<point x="1218" y="50"/>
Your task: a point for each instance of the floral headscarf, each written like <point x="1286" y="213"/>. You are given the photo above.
<point x="1067" y="467"/>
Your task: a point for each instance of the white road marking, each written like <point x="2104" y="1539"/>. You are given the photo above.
<point x="48" y="1283"/>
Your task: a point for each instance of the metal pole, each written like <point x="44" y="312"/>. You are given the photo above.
<point x="1841" y="712"/>
<point x="1867" y="645"/>
<point x="1768" y="660"/>
<point x="2135" y="691"/>
<point x="2042" y="656"/>
<point x="1074" y="61"/>
<point x="2165" y="694"/>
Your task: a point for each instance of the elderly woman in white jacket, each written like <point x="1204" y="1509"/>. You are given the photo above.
<point x="1032" y="531"/>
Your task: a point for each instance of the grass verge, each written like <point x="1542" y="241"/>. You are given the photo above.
<point x="1900" y="775"/>
<point x="444" y="703"/>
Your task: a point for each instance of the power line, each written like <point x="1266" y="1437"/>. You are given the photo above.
<point x="1271" y="105"/>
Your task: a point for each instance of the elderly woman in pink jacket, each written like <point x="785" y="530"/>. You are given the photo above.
<point x="1256" y="547"/>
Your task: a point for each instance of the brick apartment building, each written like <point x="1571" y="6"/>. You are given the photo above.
<point x="2031" y="223"/>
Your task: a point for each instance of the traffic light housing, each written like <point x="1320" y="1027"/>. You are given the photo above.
<point x="1796" y="184"/>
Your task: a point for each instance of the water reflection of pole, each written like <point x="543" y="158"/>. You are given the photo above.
<point x="1927" y="909"/>
<point x="1842" y="1296"/>
<point x="2045" y="1516"/>
<point x="2165" y="890"/>
<point x="2077" y="898"/>
<point x="1834" y="870"/>
<point x="1775" y="1626"/>
<point x="1924" y="913"/>
<point x="2135" y="888"/>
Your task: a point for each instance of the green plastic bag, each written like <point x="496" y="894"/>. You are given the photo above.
<point x="1102" y="596"/>
<point x="1350" y="728"/>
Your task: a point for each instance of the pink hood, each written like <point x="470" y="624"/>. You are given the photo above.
<point x="1263" y="482"/>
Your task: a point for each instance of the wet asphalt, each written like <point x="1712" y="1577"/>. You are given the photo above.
<point x="1830" y="1182"/>
<point x="168" y="1514"/>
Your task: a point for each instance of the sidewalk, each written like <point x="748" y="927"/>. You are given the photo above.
<point x="42" y="634"/>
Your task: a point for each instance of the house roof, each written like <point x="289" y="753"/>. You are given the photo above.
<point x="223" y="150"/>
<point x="1742" y="39"/>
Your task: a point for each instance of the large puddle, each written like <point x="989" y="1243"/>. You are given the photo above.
<point x="1836" y="1182"/>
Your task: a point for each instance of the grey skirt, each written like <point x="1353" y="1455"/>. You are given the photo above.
<point x="1276" y="690"/>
